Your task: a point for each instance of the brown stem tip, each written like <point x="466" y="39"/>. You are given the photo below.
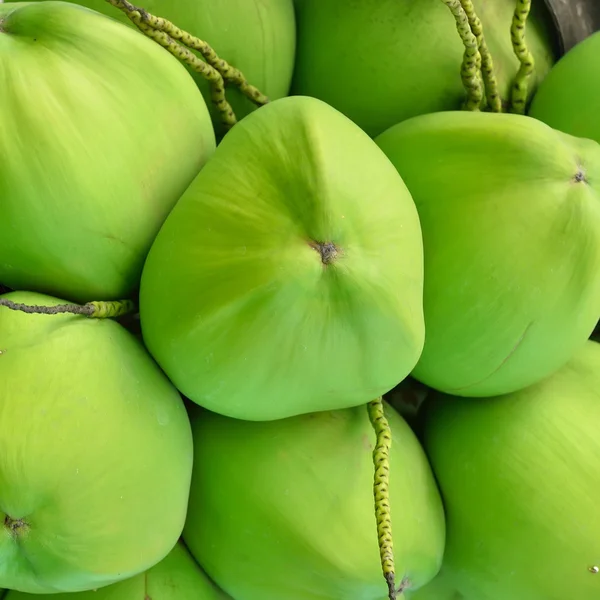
<point x="15" y="526"/>
<point x="328" y="251"/>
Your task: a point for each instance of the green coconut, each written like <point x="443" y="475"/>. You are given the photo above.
<point x="259" y="38"/>
<point x="520" y="482"/>
<point x="288" y="279"/>
<point x="95" y="453"/>
<point x="101" y="131"/>
<point x="177" y="577"/>
<point x="568" y="99"/>
<point x="284" y="509"/>
<point x="382" y="61"/>
<point x="510" y="214"/>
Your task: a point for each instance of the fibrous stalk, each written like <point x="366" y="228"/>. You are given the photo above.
<point x="381" y="492"/>
<point x="472" y="60"/>
<point x="94" y="310"/>
<point x="520" y="88"/>
<point x="487" y="64"/>
<point x="213" y="68"/>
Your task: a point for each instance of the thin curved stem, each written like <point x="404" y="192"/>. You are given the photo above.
<point x="94" y="310"/>
<point x="213" y="68"/>
<point x="487" y="64"/>
<point x="520" y="89"/>
<point x="470" y="69"/>
<point x="381" y="493"/>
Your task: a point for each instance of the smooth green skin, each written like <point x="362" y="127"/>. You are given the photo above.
<point x="101" y="131"/>
<point x="177" y="577"/>
<point x="569" y="98"/>
<point x="440" y="588"/>
<point x="238" y="308"/>
<point x="512" y="246"/>
<point x="284" y="509"/>
<point x="383" y="61"/>
<point x="95" y="453"/>
<point x="256" y="36"/>
<point x="520" y="481"/>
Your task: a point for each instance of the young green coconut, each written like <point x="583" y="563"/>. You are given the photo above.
<point x="507" y="207"/>
<point x="177" y="577"/>
<point x="383" y="61"/>
<point x="95" y="449"/>
<point x="520" y="482"/>
<point x="288" y="278"/>
<point x="98" y="140"/>
<point x="509" y="212"/>
<point x="569" y="98"/>
<point x="283" y="509"/>
<point x="259" y="38"/>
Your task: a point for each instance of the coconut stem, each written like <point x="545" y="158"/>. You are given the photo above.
<point x="470" y="69"/>
<point x="520" y="87"/>
<point x="94" y="310"/>
<point x="381" y="462"/>
<point x="216" y="70"/>
<point x="486" y="64"/>
<point x="229" y="73"/>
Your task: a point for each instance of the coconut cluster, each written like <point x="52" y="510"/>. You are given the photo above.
<point x="297" y="301"/>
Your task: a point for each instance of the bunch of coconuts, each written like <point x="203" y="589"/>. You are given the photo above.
<point x="297" y="301"/>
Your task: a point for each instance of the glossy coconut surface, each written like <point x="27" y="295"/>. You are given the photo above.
<point x="383" y="61"/>
<point x="440" y="588"/>
<point x="289" y="277"/>
<point x="510" y="214"/>
<point x="256" y="36"/>
<point x="569" y="98"/>
<point x="285" y="508"/>
<point x="176" y="577"/>
<point x="95" y="453"/>
<point x="91" y="116"/>
<point x="520" y="481"/>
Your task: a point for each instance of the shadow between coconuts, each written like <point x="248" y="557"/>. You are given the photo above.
<point x="575" y="20"/>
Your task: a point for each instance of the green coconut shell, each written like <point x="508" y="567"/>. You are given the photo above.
<point x="383" y="61"/>
<point x="569" y="97"/>
<point x="509" y="210"/>
<point x="176" y="577"/>
<point x="257" y="37"/>
<point x="289" y="277"/>
<point x="520" y="482"/>
<point x="101" y="131"/>
<point x="285" y="509"/>
<point x="95" y="453"/>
